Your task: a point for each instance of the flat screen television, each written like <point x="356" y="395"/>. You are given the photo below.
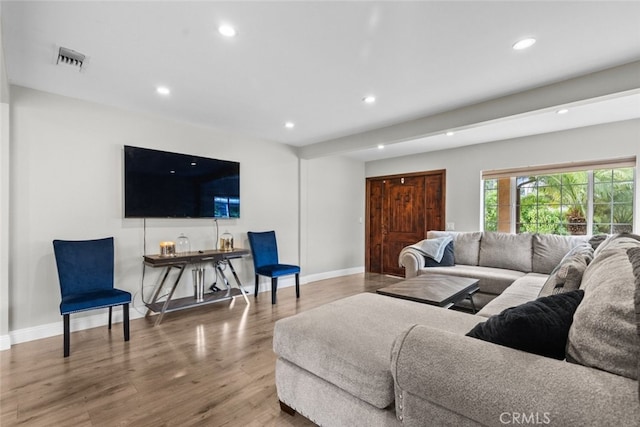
<point x="160" y="184"/>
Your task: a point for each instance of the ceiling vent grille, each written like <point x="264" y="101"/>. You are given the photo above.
<point x="70" y="57"/>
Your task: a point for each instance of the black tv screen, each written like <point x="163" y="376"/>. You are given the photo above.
<point x="159" y="184"/>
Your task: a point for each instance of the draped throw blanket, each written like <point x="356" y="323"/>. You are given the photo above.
<point x="432" y="248"/>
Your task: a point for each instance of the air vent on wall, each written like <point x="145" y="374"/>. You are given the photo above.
<point x="70" y="57"/>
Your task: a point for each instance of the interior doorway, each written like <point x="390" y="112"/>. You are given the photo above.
<point x="400" y="209"/>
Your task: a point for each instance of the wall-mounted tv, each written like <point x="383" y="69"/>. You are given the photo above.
<point x="160" y="184"/>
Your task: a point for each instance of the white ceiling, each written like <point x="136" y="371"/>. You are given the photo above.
<point x="312" y="62"/>
<point x="623" y="107"/>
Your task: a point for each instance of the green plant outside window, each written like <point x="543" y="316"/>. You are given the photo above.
<point x="570" y="203"/>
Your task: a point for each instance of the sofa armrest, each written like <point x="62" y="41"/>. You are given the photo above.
<point x="411" y="263"/>
<point x="483" y="382"/>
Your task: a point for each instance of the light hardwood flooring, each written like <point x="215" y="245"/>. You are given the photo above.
<point x="208" y="366"/>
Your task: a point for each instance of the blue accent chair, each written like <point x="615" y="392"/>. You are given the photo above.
<point x="264" y="250"/>
<point x="85" y="272"/>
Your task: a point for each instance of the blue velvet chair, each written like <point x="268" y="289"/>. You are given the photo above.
<point x="264" y="250"/>
<point x="85" y="272"/>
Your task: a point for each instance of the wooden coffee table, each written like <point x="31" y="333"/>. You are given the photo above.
<point x="435" y="289"/>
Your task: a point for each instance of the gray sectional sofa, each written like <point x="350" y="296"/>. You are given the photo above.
<point x="373" y="360"/>
<point x="498" y="260"/>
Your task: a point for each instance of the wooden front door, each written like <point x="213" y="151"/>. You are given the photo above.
<point x="401" y="209"/>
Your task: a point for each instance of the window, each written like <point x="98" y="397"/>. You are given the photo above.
<point x="573" y="199"/>
<point x="613" y="191"/>
<point x="490" y="204"/>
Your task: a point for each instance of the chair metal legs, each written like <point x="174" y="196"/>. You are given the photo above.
<point x="125" y="321"/>
<point x="67" y="328"/>
<point x="297" y="285"/>
<point x="256" y="290"/>
<point x="67" y="338"/>
<point x="274" y="289"/>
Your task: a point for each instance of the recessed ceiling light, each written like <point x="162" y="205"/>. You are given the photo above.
<point x="227" y="30"/>
<point x="163" y="90"/>
<point x="562" y="111"/>
<point x="289" y="125"/>
<point x="193" y="163"/>
<point x="380" y="146"/>
<point x="172" y="171"/>
<point x="524" y="43"/>
<point x="369" y="99"/>
<point x="450" y="133"/>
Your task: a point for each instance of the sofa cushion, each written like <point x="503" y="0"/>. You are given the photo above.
<point x="447" y="258"/>
<point x="505" y="250"/>
<point x="634" y="258"/>
<point x="540" y="326"/>
<point x="549" y="249"/>
<point x="466" y="245"/>
<point x="491" y="280"/>
<point x="330" y="341"/>
<point x="567" y="275"/>
<point x="604" y="332"/>
<point x="525" y="289"/>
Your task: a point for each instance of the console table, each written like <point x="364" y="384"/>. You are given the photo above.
<point x="180" y="262"/>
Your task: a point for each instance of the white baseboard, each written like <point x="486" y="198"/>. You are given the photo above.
<point x="331" y="274"/>
<point x="287" y="281"/>
<point x="5" y="342"/>
<point x="101" y="318"/>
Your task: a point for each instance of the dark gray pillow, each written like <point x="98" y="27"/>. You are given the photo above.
<point x="446" y="261"/>
<point x="540" y="326"/>
<point x="596" y="240"/>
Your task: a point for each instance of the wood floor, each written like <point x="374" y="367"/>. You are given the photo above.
<point x="209" y="366"/>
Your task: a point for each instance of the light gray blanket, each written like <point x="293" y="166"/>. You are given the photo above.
<point x="432" y="248"/>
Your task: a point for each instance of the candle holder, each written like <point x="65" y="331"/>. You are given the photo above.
<point x="182" y="245"/>
<point x="226" y="242"/>
<point x="167" y="249"/>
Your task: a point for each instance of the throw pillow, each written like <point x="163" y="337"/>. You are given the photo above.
<point x="597" y="239"/>
<point x="615" y="240"/>
<point x="604" y="333"/>
<point x="634" y="258"/>
<point x="467" y="244"/>
<point x="539" y="327"/>
<point x="446" y="261"/>
<point x="584" y="249"/>
<point x="566" y="277"/>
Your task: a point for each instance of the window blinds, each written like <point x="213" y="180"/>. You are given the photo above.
<point x="623" y="162"/>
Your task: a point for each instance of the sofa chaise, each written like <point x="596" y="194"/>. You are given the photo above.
<point x="373" y="360"/>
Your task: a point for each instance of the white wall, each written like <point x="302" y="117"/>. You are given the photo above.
<point x="464" y="165"/>
<point x="332" y="206"/>
<point x="4" y="200"/>
<point x="66" y="182"/>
